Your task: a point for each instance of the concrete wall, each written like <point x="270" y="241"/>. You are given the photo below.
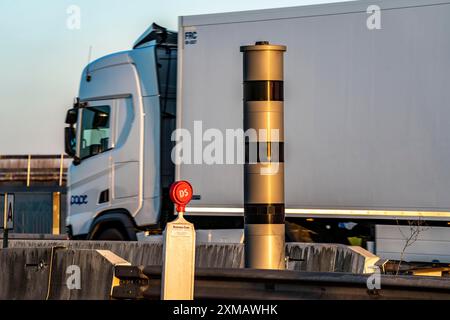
<point x="38" y="269"/>
<point x="41" y="273"/>
<point x="329" y="258"/>
<point x="317" y="257"/>
<point x="20" y="273"/>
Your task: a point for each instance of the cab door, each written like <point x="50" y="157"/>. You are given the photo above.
<point x="125" y="165"/>
<point x="90" y="183"/>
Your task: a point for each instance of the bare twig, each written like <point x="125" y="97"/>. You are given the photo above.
<point x="416" y="227"/>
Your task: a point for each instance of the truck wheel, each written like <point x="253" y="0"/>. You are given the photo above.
<point x="111" y="235"/>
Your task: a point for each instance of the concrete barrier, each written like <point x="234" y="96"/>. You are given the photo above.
<point x="96" y="274"/>
<point x="52" y="273"/>
<point x="24" y="273"/>
<point x="46" y="269"/>
<point x="318" y="257"/>
<point x="315" y="257"/>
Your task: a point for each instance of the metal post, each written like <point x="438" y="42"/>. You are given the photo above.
<point x="5" y="219"/>
<point x="264" y="167"/>
<point x="56" y="212"/>
<point x="5" y="238"/>
<point x="28" y="170"/>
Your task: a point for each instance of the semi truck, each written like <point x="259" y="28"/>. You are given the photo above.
<point x="367" y="122"/>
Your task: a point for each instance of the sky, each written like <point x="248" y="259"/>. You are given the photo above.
<point x="41" y="58"/>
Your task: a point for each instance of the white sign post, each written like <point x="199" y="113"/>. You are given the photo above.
<point x="177" y="280"/>
<point x="8" y="217"/>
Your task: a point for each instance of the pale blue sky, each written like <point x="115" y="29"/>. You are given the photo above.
<point x="41" y="59"/>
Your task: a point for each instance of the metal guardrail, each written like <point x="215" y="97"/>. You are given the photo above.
<point x="248" y="284"/>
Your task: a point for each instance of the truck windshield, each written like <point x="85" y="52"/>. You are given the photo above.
<point x="95" y="131"/>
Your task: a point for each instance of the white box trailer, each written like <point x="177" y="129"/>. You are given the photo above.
<point x="367" y="117"/>
<point x="367" y="123"/>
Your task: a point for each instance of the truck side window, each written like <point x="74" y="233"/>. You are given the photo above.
<point x="95" y="131"/>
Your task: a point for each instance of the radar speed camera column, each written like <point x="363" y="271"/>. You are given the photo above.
<point x="264" y="165"/>
<point x="179" y="249"/>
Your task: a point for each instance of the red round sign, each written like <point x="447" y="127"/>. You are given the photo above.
<point x="181" y="194"/>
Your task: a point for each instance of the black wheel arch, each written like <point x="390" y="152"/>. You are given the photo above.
<point x="118" y="219"/>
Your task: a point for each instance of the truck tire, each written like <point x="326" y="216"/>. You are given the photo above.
<point x="113" y="226"/>
<point x="111" y="234"/>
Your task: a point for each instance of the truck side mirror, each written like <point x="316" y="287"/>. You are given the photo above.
<point x="71" y="116"/>
<point x="70" y="141"/>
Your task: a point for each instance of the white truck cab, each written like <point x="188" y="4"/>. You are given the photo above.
<point x="124" y="111"/>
